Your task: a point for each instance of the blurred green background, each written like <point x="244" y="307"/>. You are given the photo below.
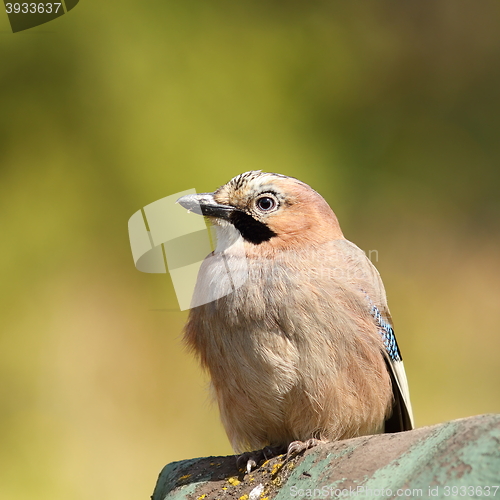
<point x="390" y="109"/>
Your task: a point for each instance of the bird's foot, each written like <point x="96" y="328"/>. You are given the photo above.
<point x="250" y="459"/>
<point x="296" y="447"/>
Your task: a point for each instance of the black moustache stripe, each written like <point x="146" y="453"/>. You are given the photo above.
<point x="252" y="230"/>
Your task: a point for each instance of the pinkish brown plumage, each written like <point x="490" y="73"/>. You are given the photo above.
<point x="299" y="350"/>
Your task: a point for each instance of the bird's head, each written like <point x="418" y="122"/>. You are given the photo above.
<point x="270" y="210"/>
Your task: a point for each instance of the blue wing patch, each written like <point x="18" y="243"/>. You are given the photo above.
<point x="385" y="329"/>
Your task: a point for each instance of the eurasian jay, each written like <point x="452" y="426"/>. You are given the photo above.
<point x="302" y="349"/>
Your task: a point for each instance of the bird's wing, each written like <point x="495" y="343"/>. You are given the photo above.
<point x="363" y="275"/>
<point x="402" y="414"/>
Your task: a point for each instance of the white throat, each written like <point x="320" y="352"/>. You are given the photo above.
<point x="229" y="239"/>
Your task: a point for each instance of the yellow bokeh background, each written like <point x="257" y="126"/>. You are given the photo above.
<point x="389" y="109"/>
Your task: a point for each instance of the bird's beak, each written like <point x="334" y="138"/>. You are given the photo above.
<point x="204" y="204"/>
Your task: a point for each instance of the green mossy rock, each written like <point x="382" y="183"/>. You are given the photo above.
<point x="458" y="459"/>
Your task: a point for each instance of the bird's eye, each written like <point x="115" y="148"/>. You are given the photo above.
<point x="266" y="203"/>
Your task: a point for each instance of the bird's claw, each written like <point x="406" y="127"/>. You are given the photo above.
<point x="251" y="464"/>
<point x="296" y="447"/>
<point x="250" y="459"/>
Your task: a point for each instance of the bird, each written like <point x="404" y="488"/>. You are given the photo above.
<point x="291" y="321"/>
